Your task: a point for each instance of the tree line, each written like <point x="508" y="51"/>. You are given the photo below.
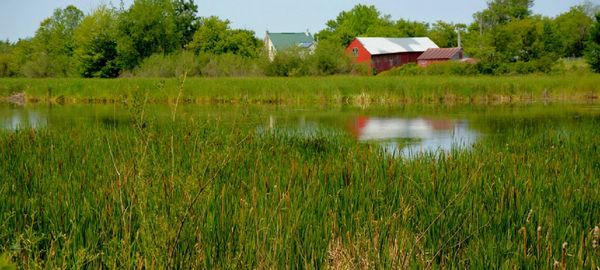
<point x="167" y="37"/>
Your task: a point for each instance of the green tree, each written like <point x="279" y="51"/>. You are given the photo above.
<point x="329" y="58"/>
<point x="367" y="21"/>
<point x="408" y="28"/>
<point x="503" y="11"/>
<point x="244" y="43"/>
<point x="210" y="36"/>
<point x="288" y="63"/>
<point x="592" y="54"/>
<point x="147" y="27"/>
<point x="20" y="54"/>
<point x="444" y="34"/>
<point x="5" y="46"/>
<point x="573" y="29"/>
<point x="350" y="24"/>
<point x="54" y="45"/>
<point x="6" y="61"/>
<point x="384" y="27"/>
<point x="519" y="40"/>
<point x="551" y="39"/>
<point x="96" y="51"/>
<point x="214" y="36"/>
<point x="186" y="20"/>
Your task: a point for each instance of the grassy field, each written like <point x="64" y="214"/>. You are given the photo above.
<point x="311" y="90"/>
<point x="188" y="192"/>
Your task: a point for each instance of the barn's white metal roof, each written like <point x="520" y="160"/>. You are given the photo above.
<point x="379" y="45"/>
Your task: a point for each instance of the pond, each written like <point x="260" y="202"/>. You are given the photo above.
<point x="403" y="131"/>
<point x="300" y="181"/>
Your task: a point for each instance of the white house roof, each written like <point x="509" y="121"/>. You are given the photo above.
<point x="380" y="45"/>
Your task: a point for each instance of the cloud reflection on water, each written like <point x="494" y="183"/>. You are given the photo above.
<point x="19" y="119"/>
<point x="406" y="137"/>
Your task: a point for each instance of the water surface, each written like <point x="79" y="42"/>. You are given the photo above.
<point x="403" y="131"/>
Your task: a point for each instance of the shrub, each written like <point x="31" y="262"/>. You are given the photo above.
<point x="592" y="54"/>
<point x="442" y="68"/>
<point x="289" y="63"/>
<point x="327" y="59"/>
<point x="6" y="65"/>
<point x="231" y="65"/>
<point x="172" y="65"/>
<point x="37" y="67"/>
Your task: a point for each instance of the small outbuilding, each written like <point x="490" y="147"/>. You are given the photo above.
<point x="436" y="55"/>
<point x="386" y="53"/>
<point x="277" y="42"/>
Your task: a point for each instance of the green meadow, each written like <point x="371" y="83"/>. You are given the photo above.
<point x="231" y="174"/>
<point x="382" y="90"/>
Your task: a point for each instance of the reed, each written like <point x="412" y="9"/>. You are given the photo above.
<point x="215" y="192"/>
<point x="311" y="90"/>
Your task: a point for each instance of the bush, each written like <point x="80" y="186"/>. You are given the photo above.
<point x="289" y="63"/>
<point x="546" y="64"/>
<point x="450" y="68"/>
<point x="208" y="65"/>
<point x="6" y="65"/>
<point x="442" y="68"/>
<point x="593" y="57"/>
<point x="231" y="65"/>
<point x="327" y="59"/>
<point x="172" y="65"/>
<point x="592" y="53"/>
<point x="37" y="67"/>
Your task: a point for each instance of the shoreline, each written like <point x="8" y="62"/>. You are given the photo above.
<point x="361" y="91"/>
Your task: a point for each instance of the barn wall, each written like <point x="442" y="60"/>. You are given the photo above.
<point x="363" y="55"/>
<point x="388" y="61"/>
<point x="410" y="57"/>
<point x="270" y="48"/>
<point x="428" y="62"/>
<point x="458" y="56"/>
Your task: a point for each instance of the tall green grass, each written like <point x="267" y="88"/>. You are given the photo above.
<point x="310" y="90"/>
<point x="204" y="192"/>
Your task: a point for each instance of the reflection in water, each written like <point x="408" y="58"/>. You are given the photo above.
<point x="16" y="118"/>
<point x="298" y="127"/>
<point x="422" y="135"/>
<point x="400" y="137"/>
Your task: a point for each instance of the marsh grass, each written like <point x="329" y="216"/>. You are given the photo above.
<point x="192" y="192"/>
<point x="316" y="90"/>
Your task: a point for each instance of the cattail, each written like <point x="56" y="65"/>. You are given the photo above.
<point x="556" y="265"/>
<point x="564" y="255"/>
<point x="539" y="240"/>
<point x="596" y="239"/>
<point x="524" y="231"/>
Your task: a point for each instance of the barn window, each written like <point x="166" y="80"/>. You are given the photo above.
<point x="355" y="52"/>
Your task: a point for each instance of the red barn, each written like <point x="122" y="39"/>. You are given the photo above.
<point x="437" y="55"/>
<point x="386" y="53"/>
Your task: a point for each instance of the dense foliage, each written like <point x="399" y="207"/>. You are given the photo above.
<point x="506" y="37"/>
<point x="593" y="50"/>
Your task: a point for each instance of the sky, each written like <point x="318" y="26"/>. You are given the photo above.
<point x="21" y="18"/>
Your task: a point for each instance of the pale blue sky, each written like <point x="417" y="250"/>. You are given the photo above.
<point x="20" y="18"/>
